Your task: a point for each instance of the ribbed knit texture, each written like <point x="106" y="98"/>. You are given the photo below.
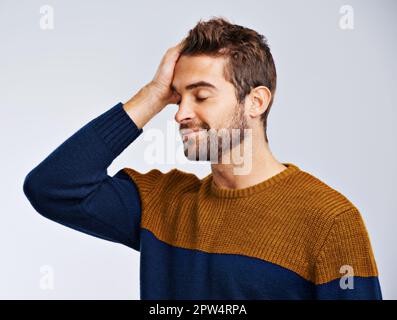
<point x="284" y="238"/>
<point x="116" y="129"/>
<point x="292" y="219"/>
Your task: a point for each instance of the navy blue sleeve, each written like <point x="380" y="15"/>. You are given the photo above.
<point x="71" y="185"/>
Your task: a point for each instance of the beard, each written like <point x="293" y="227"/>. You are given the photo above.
<point x="213" y="144"/>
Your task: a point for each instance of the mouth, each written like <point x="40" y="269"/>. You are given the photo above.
<point x="190" y="133"/>
<point x="188" y="130"/>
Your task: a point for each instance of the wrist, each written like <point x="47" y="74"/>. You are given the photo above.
<point x="144" y="105"/>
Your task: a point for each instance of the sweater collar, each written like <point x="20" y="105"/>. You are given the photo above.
<point x="244" y="192"/>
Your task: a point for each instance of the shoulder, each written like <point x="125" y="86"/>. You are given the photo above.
<point x="335" y="227"/>
<point x="317" y="195"/>
<point x="320" y="208"/>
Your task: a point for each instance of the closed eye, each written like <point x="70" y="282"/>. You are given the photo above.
<point x="197" y="99"/>
<point x="200" y="99"/>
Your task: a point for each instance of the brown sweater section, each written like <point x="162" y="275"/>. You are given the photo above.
<point x="292" y="219"/>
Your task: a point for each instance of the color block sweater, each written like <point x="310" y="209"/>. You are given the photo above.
<point x="289" y="237"/>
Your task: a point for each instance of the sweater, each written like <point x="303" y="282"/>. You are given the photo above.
<point x="289" y="237"/>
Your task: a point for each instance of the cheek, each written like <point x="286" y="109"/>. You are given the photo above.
<point x="212" y="118"/>
<point x="215" y="112"/>
<point x="225" y="110"/>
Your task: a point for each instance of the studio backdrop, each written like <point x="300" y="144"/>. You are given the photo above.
<point x="63" y="63"/>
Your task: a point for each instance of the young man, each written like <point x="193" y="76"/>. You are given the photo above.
<point x="271" y="232"/>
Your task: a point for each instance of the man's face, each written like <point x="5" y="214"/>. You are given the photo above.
<point x="211" y="105"/>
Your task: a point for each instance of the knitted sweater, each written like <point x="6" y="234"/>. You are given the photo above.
<point x="289" y="237"/>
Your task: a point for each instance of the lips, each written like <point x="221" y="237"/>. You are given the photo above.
<point x="186" y="133"/>
<point x="188" y="130"/>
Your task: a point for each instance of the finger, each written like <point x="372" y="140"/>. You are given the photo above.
<point x="178" y="47"/>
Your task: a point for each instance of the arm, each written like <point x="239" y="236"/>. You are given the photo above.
<point x="345" y="268"/>
<point x="71" y="186"/>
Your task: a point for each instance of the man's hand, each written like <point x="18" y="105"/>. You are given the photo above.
<point x="164" y="75"/>
<point x="154" y="96"/>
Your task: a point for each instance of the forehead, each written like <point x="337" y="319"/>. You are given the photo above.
<point x="189" y="69"/>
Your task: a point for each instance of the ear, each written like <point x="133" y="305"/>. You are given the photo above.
<point x="259" y="101"/>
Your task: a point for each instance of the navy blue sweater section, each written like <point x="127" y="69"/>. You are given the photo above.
<point x="71" y="186"/>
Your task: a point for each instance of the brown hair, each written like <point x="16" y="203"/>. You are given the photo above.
<point x="249" y="61"/>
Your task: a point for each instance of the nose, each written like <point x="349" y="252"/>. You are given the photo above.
<point x="184" y="113"/>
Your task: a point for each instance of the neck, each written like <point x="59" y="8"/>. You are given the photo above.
<point x="263" y="165"/>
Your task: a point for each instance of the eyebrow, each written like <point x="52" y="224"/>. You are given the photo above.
<point x="196" y="85"/>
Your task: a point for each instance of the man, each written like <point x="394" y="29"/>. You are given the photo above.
<point x="272" y="231"/>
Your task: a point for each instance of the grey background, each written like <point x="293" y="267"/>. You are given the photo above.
<point x="333" y="116"/>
